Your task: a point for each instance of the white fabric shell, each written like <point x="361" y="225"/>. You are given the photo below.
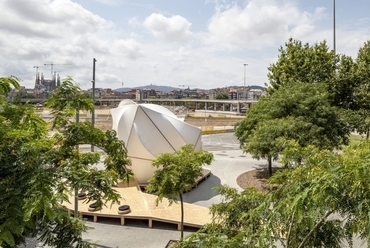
<point x="149" y="130"/>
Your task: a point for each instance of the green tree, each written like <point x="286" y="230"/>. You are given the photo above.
<point x="344" y="85"/>
<point x="322" y="203"/>
<point x="361" y="94"/>
<point x="307" y="63"/>
<point x="6" y="84"/>
<point x="39" y="171"/>
<point x="66" y="101"/>
<point x="300" y="112"/>
<point x="176" y="174"/>
<point x="302" y="63"/>
<point x="222" y="96"/>
<point x="228" y="222"/>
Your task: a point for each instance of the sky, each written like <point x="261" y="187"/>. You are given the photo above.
<point x="179" y="43"/>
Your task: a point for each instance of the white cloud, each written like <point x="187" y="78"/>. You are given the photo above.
<point x="261" y="23"/>
<point x="206" y="48"/>
<point x="48" y="19"/>
<point x="45" y="31"/>
<point x="134" y="21"/>
<point x="129" y="48"/>
<point x="108" y="2"/>
<point x="175" y="28"/>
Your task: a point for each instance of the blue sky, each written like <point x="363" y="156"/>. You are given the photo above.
<point x="197" y="43"/>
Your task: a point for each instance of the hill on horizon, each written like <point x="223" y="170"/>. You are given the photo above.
<point x="166" y="89"/>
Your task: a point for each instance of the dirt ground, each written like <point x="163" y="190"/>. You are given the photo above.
<point x="211" y="122"/>
<point x="256" y="179"/>
<point x="106" y="123"/>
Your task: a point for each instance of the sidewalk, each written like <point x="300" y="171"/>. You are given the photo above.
<point x="229" y="163"/>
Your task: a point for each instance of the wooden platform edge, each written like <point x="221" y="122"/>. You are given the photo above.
<point x="206" y="172"/>
<point x="148" y="218"/>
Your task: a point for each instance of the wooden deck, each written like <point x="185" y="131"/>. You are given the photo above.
<point x="143" y="206"/>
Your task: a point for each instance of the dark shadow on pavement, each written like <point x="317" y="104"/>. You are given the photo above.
<point x="204" y="190"/>
<point x="138" y="223"/>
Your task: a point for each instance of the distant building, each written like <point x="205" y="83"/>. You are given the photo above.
<point x="255" y="94"/>
<point x="145" y="93"/>
<point x="100" y="92"/>
<point x="43" y="85"/>
<point x="15" y="94"/>
<point x="233" y="94"/>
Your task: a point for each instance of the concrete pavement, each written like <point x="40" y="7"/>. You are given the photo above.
<point x="229" y="163"/>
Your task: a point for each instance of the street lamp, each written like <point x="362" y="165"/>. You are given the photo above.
<point x="334" y="26"/>
<point x="93" y="98"/>
<point x="245" y="74"/>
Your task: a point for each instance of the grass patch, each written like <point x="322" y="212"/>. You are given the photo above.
<point x="193" y="118"/>
<point x="213" y="131"/>
<point x="355" y="139"/>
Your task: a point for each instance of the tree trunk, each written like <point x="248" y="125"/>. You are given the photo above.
<point x="314" y="228"/>
<point x="269" y="159"/>
<point x="76" y="204"/>
<point x="76" y="190"/>
<point x="367" y="134"/>
<point x="182" y="217"/>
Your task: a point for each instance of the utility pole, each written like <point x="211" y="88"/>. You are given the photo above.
<point x="245" y="78"/>
<point x="93" y="98"/>
<point x="334" y="45"/>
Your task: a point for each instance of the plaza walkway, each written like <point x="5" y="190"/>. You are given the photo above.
<point x="229" y="163"/>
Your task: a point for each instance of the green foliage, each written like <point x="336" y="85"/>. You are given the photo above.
<point x="322" y="203"/>
<point x="21" y="149"/>
<point x="6" y="84"/>
<point x="39" y="171"/>
<point x="300" y="112"/>
<point x="343" y="86"/>
<point x="177" y="173"/>
<point x="67" y="100"/>
<point x="361" y="93"/>
<point x="302" y="63"/>
<point x="222" y="96"/>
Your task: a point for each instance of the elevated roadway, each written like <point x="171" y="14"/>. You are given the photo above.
<point x="237" y="106"/>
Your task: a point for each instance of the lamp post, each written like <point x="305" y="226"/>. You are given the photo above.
<point x="245" y="78"/>
<point x="334" y="27"/>
<point x="93" y="98"/>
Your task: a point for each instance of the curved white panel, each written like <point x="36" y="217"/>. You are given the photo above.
<point x="149" y="130"/>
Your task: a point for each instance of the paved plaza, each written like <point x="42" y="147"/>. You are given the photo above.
<point x="229" y="163"/>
